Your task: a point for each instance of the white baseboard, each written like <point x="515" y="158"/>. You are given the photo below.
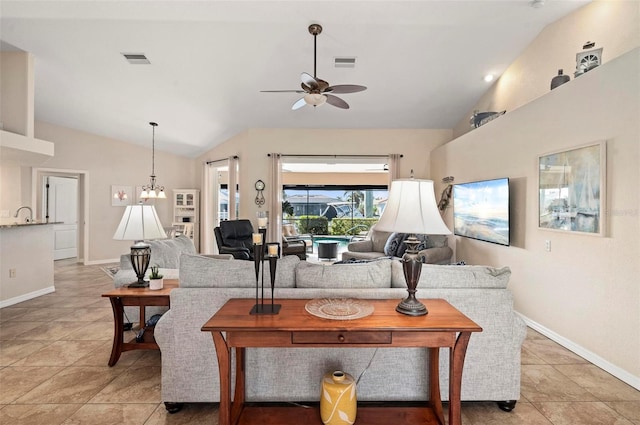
<point x="96" y="262"/>
<point x="26" y="297"/>
<point x="616" y="371"/>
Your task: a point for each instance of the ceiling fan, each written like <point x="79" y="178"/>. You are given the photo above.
<point x="318" y="92"/>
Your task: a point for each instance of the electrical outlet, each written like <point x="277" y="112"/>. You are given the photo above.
<point x="4" y="214"/>
<point x="547" y="245"/>
<point x="12" y="273"/>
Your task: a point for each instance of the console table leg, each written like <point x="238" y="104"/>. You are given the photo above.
<point x="118" y="321"/>
<point x="238" y="395"/>
<point x="435" y="401"/>
<point x="456" y="363"/>
<point x="224" y="367"/>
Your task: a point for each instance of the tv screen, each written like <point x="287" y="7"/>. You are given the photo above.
<point x="481" y="210"/>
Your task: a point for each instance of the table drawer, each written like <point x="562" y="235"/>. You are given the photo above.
<point x="337" y="337"/>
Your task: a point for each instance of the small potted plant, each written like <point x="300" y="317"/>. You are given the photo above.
<point x="155" y="278"/>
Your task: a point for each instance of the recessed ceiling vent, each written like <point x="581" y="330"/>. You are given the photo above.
<point x="136" y="58"/>
<point x="345" y="62"/>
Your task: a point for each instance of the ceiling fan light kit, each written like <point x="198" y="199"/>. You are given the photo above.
<point x="315" y="99"/>
<point x="317" y="90"/>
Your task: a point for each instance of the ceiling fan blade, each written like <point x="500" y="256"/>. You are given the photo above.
<point x="281" y="91"/>
<point x="309" y="81"/>
<point x="336" y="101"/>
<point x="345" y="88"/>
<point x="299" y="104"/>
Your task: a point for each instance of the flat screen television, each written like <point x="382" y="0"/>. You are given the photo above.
<point x="481" y="210"/>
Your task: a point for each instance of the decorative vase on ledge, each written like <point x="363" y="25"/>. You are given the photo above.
<point x="559" y="79"/>
<point x="338" y="401"/>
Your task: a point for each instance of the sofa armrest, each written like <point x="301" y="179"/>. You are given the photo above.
<point x="441" y="255"/>
<point x="360" y="246"/>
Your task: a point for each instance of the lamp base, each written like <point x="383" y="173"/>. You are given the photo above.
<point x="411" y="307"/>
<point x="412" y="268"/>
<point x="140" y="257"/>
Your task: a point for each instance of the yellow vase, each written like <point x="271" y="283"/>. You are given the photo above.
<point x="338" y="402"/>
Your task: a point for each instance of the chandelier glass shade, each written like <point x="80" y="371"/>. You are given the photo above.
<point x="152" y="190"/>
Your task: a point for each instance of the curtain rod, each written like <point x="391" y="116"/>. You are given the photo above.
<point x="333" y="156"/>
<point x="220" y="160"/>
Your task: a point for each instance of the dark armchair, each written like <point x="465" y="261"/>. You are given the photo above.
<point x="235" y="237"/>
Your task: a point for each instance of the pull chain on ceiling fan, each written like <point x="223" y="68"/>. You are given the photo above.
<point x="318" y="92"/>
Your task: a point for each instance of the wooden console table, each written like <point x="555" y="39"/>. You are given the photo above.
<point x="444" y="326"/>
<point x="139" y="297"/>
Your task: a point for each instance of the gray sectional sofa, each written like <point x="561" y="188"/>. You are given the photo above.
<point x="189" y="364"/>
<point x="433" y="249"/>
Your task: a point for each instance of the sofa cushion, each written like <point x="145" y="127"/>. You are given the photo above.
<point x="197" y="271"/>
<point x="376" y="274"/>
<point x="436" y="276"/>
<point x="378" y="239"/>
<point x="435" y="241"/>
<point x="166" y="253"/>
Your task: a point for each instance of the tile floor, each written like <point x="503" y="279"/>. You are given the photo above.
<point x="53" y="370"/>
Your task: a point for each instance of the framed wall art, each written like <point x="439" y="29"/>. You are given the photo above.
<point x="571" y="189"/>
<point x="121" y="195"/>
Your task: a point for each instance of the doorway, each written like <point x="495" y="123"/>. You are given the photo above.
<point x="61" y="196"/>
<point x="60" y="205"/>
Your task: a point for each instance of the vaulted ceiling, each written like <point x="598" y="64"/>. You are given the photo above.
<point x="422" y="61"/>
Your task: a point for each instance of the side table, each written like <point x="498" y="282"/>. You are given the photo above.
<point x="140" y="297"/>
<point x="327" y="250"/>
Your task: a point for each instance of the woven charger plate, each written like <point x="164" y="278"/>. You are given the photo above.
<point x="339" y="308"/>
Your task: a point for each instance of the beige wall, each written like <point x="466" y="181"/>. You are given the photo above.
<point x="16" y="92"/>
<point x="611" y="24"/>
<point x="111" y="162"/>
<point x="253" y="146"/>
<point x="585" y="290"/>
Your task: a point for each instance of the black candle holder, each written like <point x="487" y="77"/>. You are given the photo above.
<point x="258" y="257"/>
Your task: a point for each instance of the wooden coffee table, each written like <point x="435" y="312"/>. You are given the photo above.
<point x="139" y="297"/>
<point x="444" y="326"/>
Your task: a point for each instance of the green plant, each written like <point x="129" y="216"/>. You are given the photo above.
<point x="287" y="209"/>
<point x="349" y="226"/>
<point x="155" y="272"/>
<point x="313" y="224"/>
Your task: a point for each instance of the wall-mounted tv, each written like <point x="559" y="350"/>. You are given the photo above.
<point x="481" y="210"/>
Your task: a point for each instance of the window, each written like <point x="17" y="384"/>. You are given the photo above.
<point x="333" y="209"/>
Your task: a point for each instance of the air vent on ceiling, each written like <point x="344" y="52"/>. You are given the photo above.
<point x="136" y="58"/>
<point x="345" y="62"/>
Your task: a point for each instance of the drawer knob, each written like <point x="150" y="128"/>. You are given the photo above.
<point x="341" y="338"/>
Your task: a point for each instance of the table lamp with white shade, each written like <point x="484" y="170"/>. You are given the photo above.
<point x="140" y="222"/>
<point x="412" y="208"/>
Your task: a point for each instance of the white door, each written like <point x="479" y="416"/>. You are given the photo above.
<point x="62" y="200"/>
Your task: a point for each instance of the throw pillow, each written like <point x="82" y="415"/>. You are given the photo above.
<point x="393" y="243"/>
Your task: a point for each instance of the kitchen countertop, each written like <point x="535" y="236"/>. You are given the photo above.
<point x="36" y="223"/>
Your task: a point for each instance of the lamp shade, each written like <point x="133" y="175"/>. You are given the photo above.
<point x="139" y="222"/>
<point x="412" y="208"/>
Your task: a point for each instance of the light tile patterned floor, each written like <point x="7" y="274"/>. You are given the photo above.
<point x="53" y="370"/>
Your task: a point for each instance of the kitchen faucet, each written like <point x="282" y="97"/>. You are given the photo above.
<point x="27" y="219"/>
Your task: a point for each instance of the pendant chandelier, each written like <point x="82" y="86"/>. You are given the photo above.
<point x="152" y="191"/>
